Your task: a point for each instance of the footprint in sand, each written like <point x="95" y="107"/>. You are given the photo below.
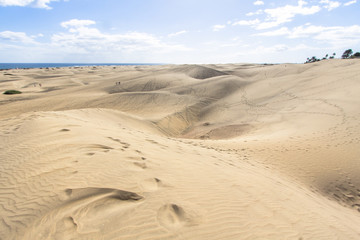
<point x="86" y="211"/>
<point x="93" y="148"/>
<point x="105" y="204"/>
<point x="140" y="165"/>
<point x="151" y="184"/>
<point x="137" y="163"/>
<point x="124" y="144"/>
<point x="174" y="217"/>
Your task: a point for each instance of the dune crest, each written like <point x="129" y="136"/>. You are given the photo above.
<point x="199" y="72"/>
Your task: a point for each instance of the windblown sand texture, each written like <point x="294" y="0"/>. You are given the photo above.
<point x="237" y="151"/>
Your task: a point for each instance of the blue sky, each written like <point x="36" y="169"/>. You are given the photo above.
<point x="176" y="31"/>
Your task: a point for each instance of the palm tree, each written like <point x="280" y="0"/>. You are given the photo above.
<point x="347" y="53"/>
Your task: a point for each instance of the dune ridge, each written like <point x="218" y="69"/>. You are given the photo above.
<point x="236" y="151"/>
<point x="199" y="72"/>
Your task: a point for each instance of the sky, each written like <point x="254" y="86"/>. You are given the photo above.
<point x="176" y="31"/>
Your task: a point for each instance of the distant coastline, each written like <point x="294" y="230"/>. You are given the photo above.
<point x="56" y="65"/>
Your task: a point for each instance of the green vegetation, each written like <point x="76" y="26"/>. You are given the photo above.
<point x="9" y="92"/>
<point x="357" y="54"/>
<point x="346" y="55"/>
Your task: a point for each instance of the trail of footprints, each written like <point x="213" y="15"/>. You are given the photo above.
<point x="83" y="204"/>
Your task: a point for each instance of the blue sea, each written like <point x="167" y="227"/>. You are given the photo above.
<point x="55" y="65"/>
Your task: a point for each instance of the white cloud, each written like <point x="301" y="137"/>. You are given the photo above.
<point x="76" y="23"/>
<point x="280" y="15"/>
<point x="297" y="32"/>
<point x="307" y="31"/>
<point x="258" y="2"/>
<point x="330" y="5"/>
<point x="20" y="3"/>
<point x="336" y="35"/>
<point x="339" y="35"/>
<point x="271" y="49"/>
<point x="177" y="33"/>
<point x="81" y="41"/>
<point x="235" y="42"/>
<point x="277" y="53"/>
<point x="16" y="37"/>
<point x="85" y="39"/>
<point x="279" y="32"/>
<point x="350" y="3"/>
<point x="43" y="3"/>
<point x="24" y="3"/>
<point x="247" y="22"/>
<point x="258" y="12"/>
<point x="266" y="25"/>
<point x="231" y="45"/>
<point x="218" y="27"/>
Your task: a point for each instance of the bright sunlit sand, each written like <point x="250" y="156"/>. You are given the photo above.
<point x="233" y="151"/>
<point x="179" y="120"/>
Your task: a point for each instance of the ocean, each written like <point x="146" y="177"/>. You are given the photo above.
<point x="55" y="65"/>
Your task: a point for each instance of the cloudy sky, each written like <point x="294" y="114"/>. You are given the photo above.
<point x="176" y="31"/>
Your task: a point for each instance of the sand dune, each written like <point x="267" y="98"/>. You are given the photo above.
<point x="237" y="151"/>
<point x="199" y="72"/>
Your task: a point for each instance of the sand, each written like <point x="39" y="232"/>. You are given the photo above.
<point x="235" y="151"/>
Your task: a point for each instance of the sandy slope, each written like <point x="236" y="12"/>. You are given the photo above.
<point x="234" y="151"/>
